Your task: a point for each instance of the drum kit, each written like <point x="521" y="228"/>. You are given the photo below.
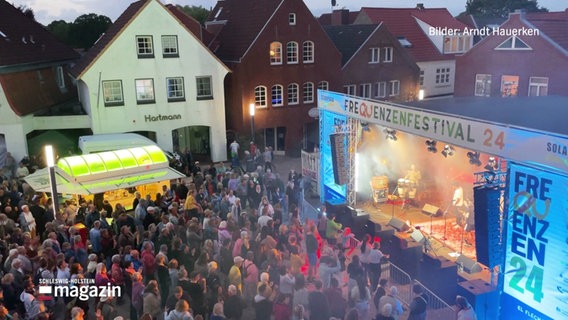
<point x="406" y="190"/>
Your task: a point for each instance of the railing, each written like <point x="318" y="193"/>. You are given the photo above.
<point x="400" y="279"/>
<point x="308" y="212"/>
<point x="437" y="308"/>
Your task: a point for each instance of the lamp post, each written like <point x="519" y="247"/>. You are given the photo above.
<point x="252" y="109"/>
<point x="50" y="159"/>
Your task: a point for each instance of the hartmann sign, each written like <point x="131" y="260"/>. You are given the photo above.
<point x="162" y="117"/>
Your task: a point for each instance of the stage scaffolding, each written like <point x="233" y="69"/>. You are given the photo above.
<point x="353" y="141"/>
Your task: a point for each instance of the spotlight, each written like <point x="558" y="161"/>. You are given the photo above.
<point x="391" y="134"/>
<point x="491" y="164"/>
<point x="431" y="146"/>
<point x="365" y="127"/>
<point x="448" y="151"/>
<point x="474" y="158"/>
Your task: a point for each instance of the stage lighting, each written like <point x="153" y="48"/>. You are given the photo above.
<point x="365" y="127"/>
<point x="448" y="151"/>
<point x="474" y="158"/>
<point x="431" y="146"/>
<point x="391" y="134"/>
<point x="491" y="164"/>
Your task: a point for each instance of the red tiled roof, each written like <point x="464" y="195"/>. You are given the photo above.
<point x="111" y="33"/>
<point x="244" y="21"/>
<point x="402" y="23"/>
<point x="24" y="41"/>
<point x="191" y="24"/>
<point x="552" y="24"/>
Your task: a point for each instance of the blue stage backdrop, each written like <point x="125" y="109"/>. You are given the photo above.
<point x="330" y="191"/>
<point x="536" y="262"/>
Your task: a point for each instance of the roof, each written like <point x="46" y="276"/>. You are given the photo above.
<point x="401" y="22"/>
<point x="243" y="22"/>
<point x="25" y="41"/>
<point x="537" y="113"/>
<point x="120" y="23"/>
<point x="553" y="24"/>
<point x="326" y="20"/>
<point x="191" y="24"/>
<point x="349" y="38"/>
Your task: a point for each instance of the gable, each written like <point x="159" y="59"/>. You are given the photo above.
<point x="513" y="43"/>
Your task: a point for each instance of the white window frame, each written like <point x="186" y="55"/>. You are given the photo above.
<point x="292" y="19"/>
<point x="513" y="46"/>
<point x="145" y="93"/>
<point x="112" y="90"/>
<point x="350" y="89"/>
<point x="204" y="87"/>
<point x="442" y="76"/>
<point x="275" y="52"/>
<point x="323" y="85"/>
<point x="308" y="92"/>
<point x="260" y="97"/>
<point x="60" y="77"/>
<point x="539" y="86"/>
<point x="277" y="93"/>
<point x="175" y="89"/>
<point x="387" y="54"/>
<point x="308" y="51"/>
<point x="293" y="94"/>
<point x="394" y="88"/>
<point x="365" y="89"/>
<point x="481" y="82"/>
<point x="421" y="78"/>
<point x="170" y="47"/>
<point x="145" y="46"/>
<point x="292" y="52"/>
<point x="381" y="89"/>
<point x="374" y="55"/>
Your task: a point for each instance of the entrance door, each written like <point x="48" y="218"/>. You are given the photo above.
<point x="275" y="138"/>
<point x="194" y="139"/>
<point x="280" y="139"/>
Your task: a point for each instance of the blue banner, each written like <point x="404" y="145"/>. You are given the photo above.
<point x="536" y="262"/>
<point x="330" y="191"/>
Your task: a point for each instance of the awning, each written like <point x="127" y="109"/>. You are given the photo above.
<point x="94" y="173"/>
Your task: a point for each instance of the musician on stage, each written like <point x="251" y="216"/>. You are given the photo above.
<point x="469" y="218"/>
<point x="414" y="175"/>
<point x="457" y="200"/>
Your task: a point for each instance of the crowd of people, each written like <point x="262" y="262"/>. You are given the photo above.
<point x="215" y="246"/>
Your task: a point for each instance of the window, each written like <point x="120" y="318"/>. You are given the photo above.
<point x="457" y="44"/>
<point x="260" y="97"/>
<point x="350" y="89"/>
<point x="112" y="93"/>
<point x="538" y="86"/>
<point x="175" y="89"/>
<point x="277" y="100"/>
<point x="170" y="47"/>
<point x="387" y="54"/>
<point x="323" y="85"/>
<point x="374" y="55"/>
<point x="308" y="52"/>
<point x="509" y="86"/>
<point x="381" y="89"/>
<point x="513" y="43"/>
<point x="275" y="53"/>
<point x="293" y="93"/>
<point x="442" y="75"/>
<point x="204" y="88"/>
<point x="308" y="92"/>
<point x="394" y="88"/>
<point x="145" y="46"/>
<point x="421" y="79"/>
<point x="60" y="78"/>
<point x="292" y="52"/>
<point x="365" y="90"/>
<point x="292" y="19"/>
<point x="483" y="85"/>
<point x="145" y="91"/>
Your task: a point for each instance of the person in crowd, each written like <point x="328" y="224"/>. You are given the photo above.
<point x="181" y="312"/>
<point x="419" y="304"/>
<point x="391" y="297"/>
<point x="380" y="292"/>
<point x="336" y="301"/>
<point x="151" y="300"/>
<point x="385" y="313"/>
<point x="361" y="295"/>
<point x="263" y="302"/>
<point x="318" y="304"/>
<point x="234" y="304"/>
<point x="375" y="264"/>
<point x="464" y="309"/>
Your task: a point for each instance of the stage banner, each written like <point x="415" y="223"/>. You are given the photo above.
<point x="330" y="124"/>
<point x="531" y="147"/>
<point x="536" y="260"/>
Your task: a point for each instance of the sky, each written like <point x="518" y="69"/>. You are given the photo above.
<point x="50" y="10"/>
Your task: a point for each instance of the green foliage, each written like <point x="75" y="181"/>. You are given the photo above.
<point x="60" y="29"/>
<point x="83" y="32"/>
<point x="197" y="12"/>
<point x="28" y="12"/>
<point x="501" y="8"/>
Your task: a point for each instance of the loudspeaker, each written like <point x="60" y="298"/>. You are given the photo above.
<point x="399" y="225"/>
<point x="431" y="210"/>
<point x="334" y="208"/>
<point x="482" y="297"/>
<point x="488" y="247"/>
<point x="469" y="265"/>
<point x="339" y="162"/>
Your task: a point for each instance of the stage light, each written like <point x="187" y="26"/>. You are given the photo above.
<point x="448" y="151"/>
<point x="474" y="158"/>
<point x="365" y="127"/>
<point x="431" y="146"/>
<point x="391" y="134"/>
<point x="491" y="164"/>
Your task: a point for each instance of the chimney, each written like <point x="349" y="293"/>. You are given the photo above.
<point x="340" y="17"/>
<point x="420" y="6"/>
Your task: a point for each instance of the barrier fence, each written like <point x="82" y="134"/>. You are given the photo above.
<point x="437" y="308"/>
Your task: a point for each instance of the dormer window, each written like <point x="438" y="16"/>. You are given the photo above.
<point x="513" y="43"/>
<point x="218" y="13"/>
<point x="292" y="19"/>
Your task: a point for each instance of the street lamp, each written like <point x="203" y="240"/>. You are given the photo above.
<point x="50" y="159"/>
<point x="252" y="109"/>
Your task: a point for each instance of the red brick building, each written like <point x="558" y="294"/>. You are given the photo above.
<point x="279" y="56"/>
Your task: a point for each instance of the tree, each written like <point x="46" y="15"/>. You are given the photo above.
<point x="28" y="12"/>
<point x="197" y="12"/>
<point x="87" y="29"/>
<point x="61" y="29"/>
<point x="501" y="8"/>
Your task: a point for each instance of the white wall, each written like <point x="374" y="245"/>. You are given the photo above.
<point x="12" y="128"/>
<point x="430" y="87"/>
<point x="120" y="62"/>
